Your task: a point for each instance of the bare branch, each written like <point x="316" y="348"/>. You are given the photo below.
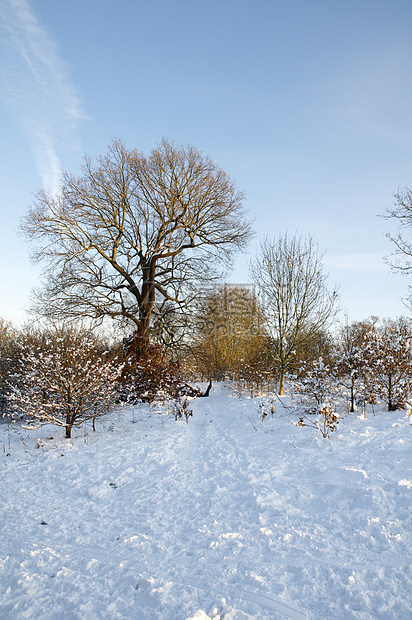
<point x="132" y="228"/>
<point x="297" y="304"/>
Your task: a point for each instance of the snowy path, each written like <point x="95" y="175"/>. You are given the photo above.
<point x="160" y="520"/>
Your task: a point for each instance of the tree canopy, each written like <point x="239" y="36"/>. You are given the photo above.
<point x="133" y="232"/>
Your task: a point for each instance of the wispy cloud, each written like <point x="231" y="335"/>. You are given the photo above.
<point x="36" y="88"/>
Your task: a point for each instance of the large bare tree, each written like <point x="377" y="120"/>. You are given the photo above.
<point x="296" y="303"/>
<point x="133" y="232"/>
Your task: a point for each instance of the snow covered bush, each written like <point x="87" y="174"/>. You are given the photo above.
<point x="63" y="378"/>
<point x="318" y="394"/>
<point x="351" y="362"/>
<point x="267" y="407"/>
<point x="328" y="421"/>
<point x="7" y="353"/>
<point x="388" y="372"/>
<point x="316" y="386"/>
<point x="374" y="363"/>
<point x="349" y="368"/>
<point x="181" y="409"/>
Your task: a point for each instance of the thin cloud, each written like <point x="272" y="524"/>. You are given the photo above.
<point x="358" y="262"/>
<point x="374" y="96"/>
<point x="36" y="89"/>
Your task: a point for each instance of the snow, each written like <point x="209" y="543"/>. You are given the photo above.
<point x="226" y="517"/>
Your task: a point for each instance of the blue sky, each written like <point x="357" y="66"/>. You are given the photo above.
<point x="306" y="104"/>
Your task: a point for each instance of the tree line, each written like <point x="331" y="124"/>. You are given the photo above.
<point x="68" y="375"/>
<point x="144" y="242"/>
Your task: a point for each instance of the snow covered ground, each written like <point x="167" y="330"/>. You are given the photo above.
<point x="226" y="517"/>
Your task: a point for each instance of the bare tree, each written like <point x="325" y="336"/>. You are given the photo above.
<point x="401" y="212"/>
<point x="297" y="305"/>
<point x="133" y="231"/>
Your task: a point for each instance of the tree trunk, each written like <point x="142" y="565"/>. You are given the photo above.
<point x="391" y="406"/>
<point x="69" y="423"/>
<point x="146" y="302"/>
<point x="282" y="381"/>
<point x="136" y="345"/>
<point x="206" y="393"/>
<point x="352" y="399"/>
<point x="142" y="342"/>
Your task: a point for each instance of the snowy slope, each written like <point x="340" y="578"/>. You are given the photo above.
<point x="226" y="517"/>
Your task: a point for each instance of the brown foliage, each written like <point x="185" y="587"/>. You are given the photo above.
<point x="148" y="374"/>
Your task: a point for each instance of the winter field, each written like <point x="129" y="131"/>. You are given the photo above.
<point x="227" y="517"/>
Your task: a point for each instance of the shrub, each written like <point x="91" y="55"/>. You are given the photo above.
<point x="149" y="375"/>
<point x="63" y="378"/>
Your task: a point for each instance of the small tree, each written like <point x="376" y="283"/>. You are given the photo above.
<point x="351" y="365"/>
<point x="388" y="363"/>
<point x="297" y="304"/>
<point x="63" y="378"/>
